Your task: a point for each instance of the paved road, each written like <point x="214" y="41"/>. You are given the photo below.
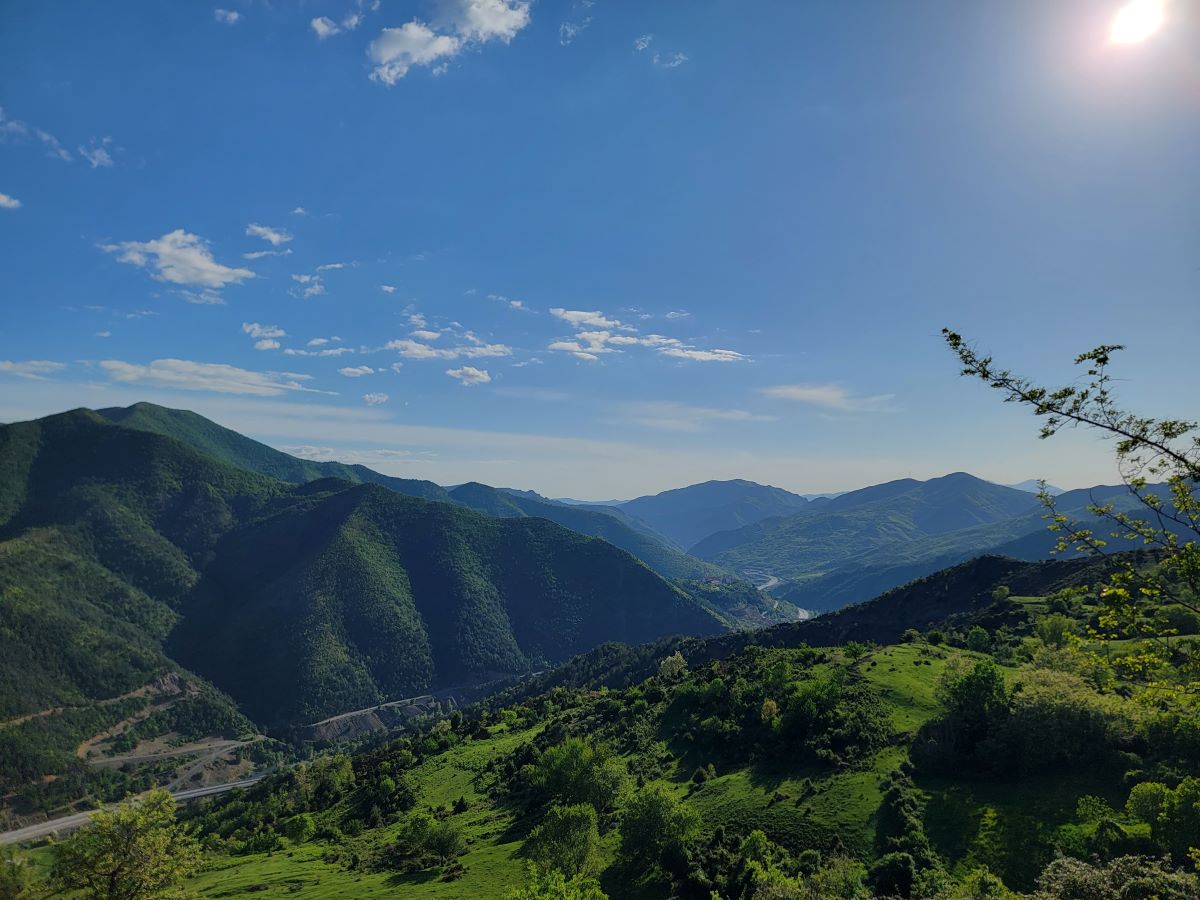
<point x="68" y="824"/>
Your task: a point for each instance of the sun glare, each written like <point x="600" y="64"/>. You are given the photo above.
<point x="1136" y="21"/>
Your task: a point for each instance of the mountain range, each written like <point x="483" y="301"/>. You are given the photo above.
<point x="126" y="553"/>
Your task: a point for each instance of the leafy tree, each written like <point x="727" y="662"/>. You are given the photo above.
<point x="673" y="667"/>
<point x="18" y="879"/>
<point x="892" y="875"/>
<point x="1054" y="630"/>
<point x="975" y="699"/>
<point x="133" y="852"/>
<point x="300" y="828"/>
<point x="655" y="828"/>
<point x="979" y="640"/>
<point x="566" y="841"/>
<point x="445" y="841"/>
<point x="554" y="885"/>
<point x="578" y="772"/>
<point x="1146" y="801"/>
<point x="1148" y="450"/>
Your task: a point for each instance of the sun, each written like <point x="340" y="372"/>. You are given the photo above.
<point x="1136" y="21"/>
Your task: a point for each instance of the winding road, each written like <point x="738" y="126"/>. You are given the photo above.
<point x="67" y="824"/>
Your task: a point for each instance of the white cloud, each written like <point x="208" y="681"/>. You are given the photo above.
<point x="299" y="211"/>
<point x="259" y="254"/>
<point x="356" y="371"/>
<point x="678" y="314"/>
<point x="422" y="335"/>
<point x="642" y="42"/>
<point x="8" y="202"/>
<point x="670" y="61"/>
<point x="375" y="399"/>
<point x="273" y="236"/>
<point x="568" y="31"/>
<point x="103" y="334"/>
<point x="324" y="27"/>
<point x="388" y="288"/>
<point x="17" y="129"/>
<point x="469" y="375"/>
<point x="313" y="286"/>
<point x="411" y="349"/>
<point x="321" y="342"/>
<point x="256" y="330"/>
<point x="574" y="347"/>
<point x="465" y="23"/>
<point x="266" y="344"/>
<point x="830" y="396"/>
<point x="96" y="152"/>
<point x="205" y="297"/>
<point x="227" y="16"/>
<point x="703" y="355"/>
<point x="328" y="351"/>
<point x="579" y="318"/>
<point x="37" y="369"/>
<point x="179" y="258"/>
<point x="328" y="266"/>
<point x="186" y="375"/>
<point x="397" y="50"/>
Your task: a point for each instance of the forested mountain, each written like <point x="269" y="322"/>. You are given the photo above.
<point x="688" y="515"/>
<point x="246" y="453"/>
<point x="593" y="521"/>
<point x="301" y="600"/>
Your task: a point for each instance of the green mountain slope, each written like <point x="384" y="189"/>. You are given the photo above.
<point x="899" y="518"/>
<point x="362" y="595"/>
<point x="238" y="450"/>
<point x="690" y="514"/>
<point x="301" y="600"/>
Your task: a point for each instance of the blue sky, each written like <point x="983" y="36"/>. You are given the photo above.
<point x="600" y="249"/>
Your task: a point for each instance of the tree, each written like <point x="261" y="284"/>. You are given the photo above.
<point x="578" y="772"/>
<point x="18" y="879"/>
<point x="555" y="885"/>
<point x="672" y="667"/>
<point x="1166" y="516"/>
<point x="135" y="851"/>
<point x="893" y="875"/>
<point x="566" y="841"/>
<point x="300" y="828"/>
<point x="656" y="827"/>
<point x="445" y="841"/>
<point x="975" y="699"/>
<point x="1146" y="801"/>
<point x="978" y="639"/>
<point x="1054" y="630"/>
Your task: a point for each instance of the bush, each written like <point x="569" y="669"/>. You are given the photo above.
<point x="655" y="828"/>
<point x="893" y="875"/>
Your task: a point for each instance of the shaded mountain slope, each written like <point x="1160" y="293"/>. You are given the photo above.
<point x="661" y="557"/>
<point x="688" y="515"/>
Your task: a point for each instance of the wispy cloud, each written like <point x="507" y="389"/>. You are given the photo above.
<point x="469" y="375"/>
<point x="179" y="257"/>
<point x="36" y="369"/>
<point x="310" y="285"/>
<point x="597" y="334"/>
<point x="670" y="60"/>
<point x="830" y="396"/>
<point x="668" y="416"/>
<point x="186" y="375"/>
<point x="273" y="236"/>
<point x="375" y="398"/>
<point x="96" y="152"/>
<point x="641" y="42"/>
<point x="356" y="371"/>
<point x="259" y="254"/>
<point x="9" y="202"/>
<point x="463" y="24"/>
<point x="227" y="16"/>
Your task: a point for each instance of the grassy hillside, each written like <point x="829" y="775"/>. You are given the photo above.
<point x="782" y="764"/>
<point x="238" y="450"/>
<point x="690" y="514"/>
